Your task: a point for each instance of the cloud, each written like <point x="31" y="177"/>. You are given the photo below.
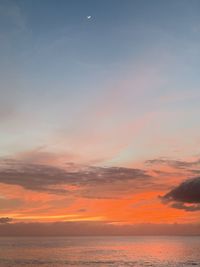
<point x="91" y="180"/>
<point x="183" y="206"/>
<point x="99" y="228"/>
<point x="40" y="155"/>
<point x="185" y="196"/>
<point x="174" y="163"/>
<point x="5" y="220"/>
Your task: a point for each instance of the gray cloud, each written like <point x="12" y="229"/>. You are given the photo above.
<point x="174" y="163"/>
<point x="183" y="206"/>
<point x="51" y="179"/>
<point x="185" y="196"/>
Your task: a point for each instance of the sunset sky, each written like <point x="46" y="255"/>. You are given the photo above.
<point x="99" y="116"/>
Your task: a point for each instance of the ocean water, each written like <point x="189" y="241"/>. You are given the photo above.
<point x="100" y="251"/>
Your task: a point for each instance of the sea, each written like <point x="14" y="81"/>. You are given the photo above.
<point x="100" y="251"/>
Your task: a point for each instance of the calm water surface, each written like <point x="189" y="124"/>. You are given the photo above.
<point x="100" y="251"/>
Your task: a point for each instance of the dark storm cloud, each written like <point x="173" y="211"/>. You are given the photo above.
<point x="5" y="220"/>
<point x="39" y="177"/>
<point x="185" y="196"/>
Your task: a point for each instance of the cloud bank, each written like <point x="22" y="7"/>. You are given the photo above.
<point x="96" y="228"/>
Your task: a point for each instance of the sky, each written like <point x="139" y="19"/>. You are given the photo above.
<point x="99" y="113"/>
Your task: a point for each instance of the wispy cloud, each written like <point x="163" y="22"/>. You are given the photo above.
<point x="174" y="163"/>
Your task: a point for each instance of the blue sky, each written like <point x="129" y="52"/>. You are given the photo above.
<point x="59" y="71"/>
